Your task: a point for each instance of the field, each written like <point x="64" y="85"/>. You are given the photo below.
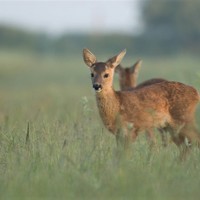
<point x="53" y="144"/>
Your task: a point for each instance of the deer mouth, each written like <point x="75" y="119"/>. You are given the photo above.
<point x="97" y="87"/>
<point x="98" y="90"/>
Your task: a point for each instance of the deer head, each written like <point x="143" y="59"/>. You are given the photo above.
<point x="128" y="76"/>
<point x="102" y="72"/>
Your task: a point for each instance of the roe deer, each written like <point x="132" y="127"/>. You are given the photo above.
<point x="128" y="81"/>
<point x="167" y="105"/>
<point x="128" y="77"/>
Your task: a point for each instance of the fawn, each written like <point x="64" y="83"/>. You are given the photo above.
<point x="166" y="105"/>
<point x="128" y="81"/>
<point x="128" y="77"/>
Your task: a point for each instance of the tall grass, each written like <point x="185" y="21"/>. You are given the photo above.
<point x="68" y="154"/>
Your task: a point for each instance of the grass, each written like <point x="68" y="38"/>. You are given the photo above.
<point x="69" y="154"/>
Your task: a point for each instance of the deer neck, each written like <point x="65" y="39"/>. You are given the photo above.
<point x="109" y="106"/>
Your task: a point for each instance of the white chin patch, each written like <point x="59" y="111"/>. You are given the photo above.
<point x="99" y="90"/>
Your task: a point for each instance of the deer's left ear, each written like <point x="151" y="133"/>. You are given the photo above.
<point x="116" y="60"/>
<point x="88" y="57"/>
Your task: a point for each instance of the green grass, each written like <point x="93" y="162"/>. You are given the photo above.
<point x="69" y="154"/>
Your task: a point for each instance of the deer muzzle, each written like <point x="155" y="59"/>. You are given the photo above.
<point x="97" y="87"/>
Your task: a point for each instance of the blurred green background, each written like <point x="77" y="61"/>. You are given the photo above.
<point x="52" y="142"/>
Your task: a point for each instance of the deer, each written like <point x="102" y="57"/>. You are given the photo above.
<point x="167" y="105"/>
<point x="128" y="77"/>
<point x="128" y="81"/>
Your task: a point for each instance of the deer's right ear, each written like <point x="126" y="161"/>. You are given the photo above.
<point x="88" y="57"/>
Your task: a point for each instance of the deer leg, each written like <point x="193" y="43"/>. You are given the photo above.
<point x="190" y="131"/>
<point x="183" y="140"/>
<point x="191" y="136"/>
<point x="184" y="146"/>
<point x="151" y="138"/>
<point x="123" y="138"/>
<point x="163" y="134"/>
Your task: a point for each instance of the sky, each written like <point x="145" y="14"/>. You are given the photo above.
<point x="82" y="16"/>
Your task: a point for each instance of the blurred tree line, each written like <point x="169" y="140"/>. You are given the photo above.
<point x="170" y="27"/>
<point x="12" y="38"/>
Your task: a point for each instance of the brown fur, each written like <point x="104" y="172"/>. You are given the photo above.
<point x="128" y="81"/>
<point x="167" y="105"/>
<point x="150" y="82"/>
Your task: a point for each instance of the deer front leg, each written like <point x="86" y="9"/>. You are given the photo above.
<point x="151" y="138"/>
<point x="164" y="139"/>
<point x="124" y="137"/>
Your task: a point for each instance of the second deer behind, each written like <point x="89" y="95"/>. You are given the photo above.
<point x="128" y="77"/>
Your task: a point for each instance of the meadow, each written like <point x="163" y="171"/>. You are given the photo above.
<point x="53" y="144"/>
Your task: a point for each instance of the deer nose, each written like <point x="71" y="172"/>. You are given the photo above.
<point x="97" y="86"/>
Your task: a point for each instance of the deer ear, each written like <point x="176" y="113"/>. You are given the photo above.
<point x="114" y="61"/>
<point x="88" y="57"/>
<point x="136" y="67"/>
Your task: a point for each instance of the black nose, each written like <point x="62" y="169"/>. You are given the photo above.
<point x="97" y="86"/>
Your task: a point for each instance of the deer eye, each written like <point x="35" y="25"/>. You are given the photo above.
<point x="92" y="75"/>
<point x="106" y="75"/>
